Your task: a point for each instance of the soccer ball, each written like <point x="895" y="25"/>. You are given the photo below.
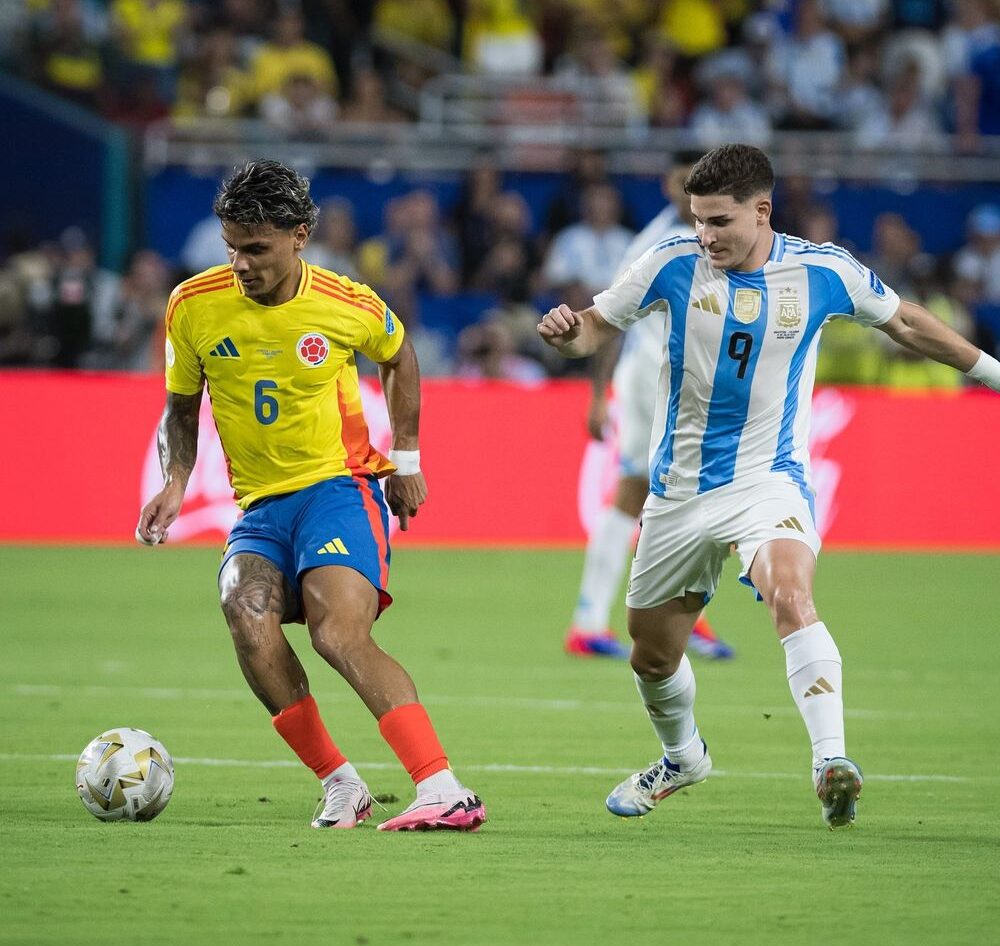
<point x="125" y="774"/>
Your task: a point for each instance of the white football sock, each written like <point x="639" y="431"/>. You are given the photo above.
<point x="440" y="783"/>
<point x="603" y="569"/>
<point x="670" y="705"/>
<point x="816" y="680"/>
<point x="340" y="773"/>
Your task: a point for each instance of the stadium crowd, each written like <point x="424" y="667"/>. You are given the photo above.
<point x="895" y="74"/>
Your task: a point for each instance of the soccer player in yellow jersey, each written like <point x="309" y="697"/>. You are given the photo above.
<point x="273" y="339"/>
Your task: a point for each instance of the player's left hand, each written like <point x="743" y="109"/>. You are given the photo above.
<point x="405" y="494"/>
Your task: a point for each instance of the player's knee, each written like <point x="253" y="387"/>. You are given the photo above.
<point x="243" y="607"/>
<point x="341" y="643"/>
<point x="658" y="664"/>
<point x="791" y="601"/>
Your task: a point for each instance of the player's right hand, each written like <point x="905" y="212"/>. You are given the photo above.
<point x="560" y="326"/>
<point x="597" y="417"/>
<point x="157" y="515"/>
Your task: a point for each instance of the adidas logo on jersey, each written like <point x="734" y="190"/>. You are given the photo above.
<point x="790" y="523"/>
<point x="225" y="349"/>
<point x="333" y="547"/>
<point x="708" y="303"/>
<point x="820" y="687"/>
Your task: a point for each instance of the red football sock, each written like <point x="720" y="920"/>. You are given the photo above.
<point x="704" y="630"/>
<point x="411" y="736"/>
<point x="301" y="727"/>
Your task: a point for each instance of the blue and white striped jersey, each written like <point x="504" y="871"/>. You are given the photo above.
<point x="736" y="382"/>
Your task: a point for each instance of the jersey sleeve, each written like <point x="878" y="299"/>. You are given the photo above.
<point x="874" y="302"/>
<point x="382" y="336"/>
<point x="627" y="300"/>
<point x="183" y="369"/>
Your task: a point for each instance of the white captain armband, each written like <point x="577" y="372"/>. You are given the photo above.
<point x="407" y="462"/>
<point x="986" y="370"/>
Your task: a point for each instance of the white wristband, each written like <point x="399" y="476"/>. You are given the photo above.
<point x="986" y="370"/>
<point x="407" y="462"/>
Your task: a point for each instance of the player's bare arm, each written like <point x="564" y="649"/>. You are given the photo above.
<point x="177" y="442"/>
<point x="406" y="489"/>
<point x="602" y="367"/>
<point x="575" y="334"/>
<point x="915" y="328"/>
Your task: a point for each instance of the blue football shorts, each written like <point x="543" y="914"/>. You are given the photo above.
<point x="339" y="521"/>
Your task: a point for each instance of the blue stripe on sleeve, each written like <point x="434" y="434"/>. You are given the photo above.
<point x="727" y="411"/>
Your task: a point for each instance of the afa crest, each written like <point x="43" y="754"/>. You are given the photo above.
<point x="789" y="310"/>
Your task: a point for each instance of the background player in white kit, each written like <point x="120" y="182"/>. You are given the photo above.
<point x="730" y="463"/>
<point x="636" y="367"/>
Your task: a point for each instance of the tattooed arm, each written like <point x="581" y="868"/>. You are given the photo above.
<point x="177" y="441"/>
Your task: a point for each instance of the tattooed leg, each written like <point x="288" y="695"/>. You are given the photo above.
<point x="256" y="598"/>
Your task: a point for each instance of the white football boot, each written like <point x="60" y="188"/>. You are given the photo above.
<point x="639" y="794"/>
<point x="345" y="805"/>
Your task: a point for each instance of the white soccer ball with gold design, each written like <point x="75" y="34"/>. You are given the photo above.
<point x="125" y="774"/>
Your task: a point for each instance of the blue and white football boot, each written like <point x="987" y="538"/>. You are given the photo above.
<point x="639" y="794"/>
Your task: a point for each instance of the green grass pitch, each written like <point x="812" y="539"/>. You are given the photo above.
<point x="95" y="638"/>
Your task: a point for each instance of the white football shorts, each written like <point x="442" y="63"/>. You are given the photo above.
<point x="684" y="543"/>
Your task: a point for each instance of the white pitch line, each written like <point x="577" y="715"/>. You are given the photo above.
<point x="496" y="767"/>
<point x="533" y="704"/>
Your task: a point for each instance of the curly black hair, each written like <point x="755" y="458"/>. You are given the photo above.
<point x="266" y="192"/>
<point x="740" y="171"/>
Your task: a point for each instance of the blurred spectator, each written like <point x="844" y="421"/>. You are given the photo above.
<point x="693" y="27"/>
<point x="860" y="96"/>
<point x="367" y="102"/>
<point x="807" y="68"/>
<point x="303" y="110"/>
<point x="730" y="115"/>
<point x="64" y="56"/>
<point x="586" y="254"/>
<point x="592" y="68"/>
<point x="82" y="295"/>
<point x="857" y="21"/>
<point x="25" y="298"/>
<point x="333" y="244"/>
<point x="977" y="72"/>
<point x="895" y="245"/>
<point x="421" y="255"/>
<point x="425" y="21"/>
<point x="289" y="54"/>
<point x="248" y="21"/>
<point x="500" y="39"/>
<point x="148" y="36"/>
<point x="128" y="336"/>
<point x="978" y="262"/>
<point x="818" y="224"/>
<point x="214" y="84"/>
<point x="664" y="94"/>
<point x="905" y="122"/>
<point x="486" y="351"/>
<point x="511" y="262"/>
<point x="473" y="214"/>
<point x="589" y="166"/>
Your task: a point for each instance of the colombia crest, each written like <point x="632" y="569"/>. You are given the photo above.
<point x="312" y="349"/>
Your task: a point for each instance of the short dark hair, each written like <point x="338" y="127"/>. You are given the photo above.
<point x="266" y="192"/>
<point x="740" y="171"/>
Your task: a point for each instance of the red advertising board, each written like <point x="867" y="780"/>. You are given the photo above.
<point x="506" y="464"/>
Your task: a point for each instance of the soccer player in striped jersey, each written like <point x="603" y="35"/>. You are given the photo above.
<point x="729" y="462"/>
<point x="274" y="340"/>
<point x="634" y="377"/>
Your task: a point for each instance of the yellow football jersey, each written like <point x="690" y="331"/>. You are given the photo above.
<point x="282" y="379"/>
